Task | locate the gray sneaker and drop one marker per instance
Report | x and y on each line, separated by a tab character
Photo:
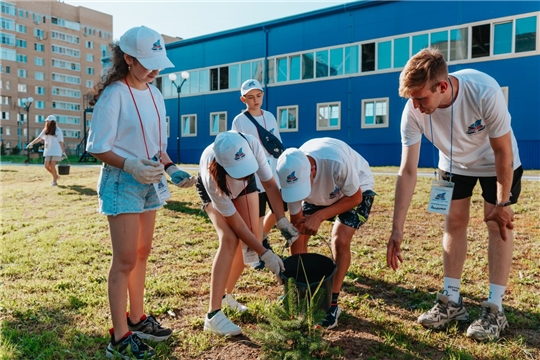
443	312
489	325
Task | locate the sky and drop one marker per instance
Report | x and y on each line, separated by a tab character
189	19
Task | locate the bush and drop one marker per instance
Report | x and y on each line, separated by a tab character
15	150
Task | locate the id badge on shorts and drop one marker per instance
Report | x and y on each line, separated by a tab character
440	196
162	189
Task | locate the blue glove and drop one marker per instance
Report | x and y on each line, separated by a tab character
180	178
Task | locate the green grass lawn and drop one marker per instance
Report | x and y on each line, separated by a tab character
55	254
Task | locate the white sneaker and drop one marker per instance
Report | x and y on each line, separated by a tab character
221	325
232	304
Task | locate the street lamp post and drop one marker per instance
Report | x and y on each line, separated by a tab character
172	77
27	103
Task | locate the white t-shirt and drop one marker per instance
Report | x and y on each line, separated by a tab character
116	126
224	203
341	171
52	142
479	113
242	124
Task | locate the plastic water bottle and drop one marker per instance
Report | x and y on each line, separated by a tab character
250	256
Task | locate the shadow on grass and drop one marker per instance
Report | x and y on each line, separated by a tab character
4	170
522	323
81	190
186	208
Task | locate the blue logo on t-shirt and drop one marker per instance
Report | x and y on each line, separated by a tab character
476	127
334	193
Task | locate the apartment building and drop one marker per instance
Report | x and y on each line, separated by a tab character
50	52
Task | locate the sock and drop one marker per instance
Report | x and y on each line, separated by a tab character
451	287
113	340
334	299
496	293
213	313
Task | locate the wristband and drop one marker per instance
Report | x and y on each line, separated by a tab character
168	165
503	203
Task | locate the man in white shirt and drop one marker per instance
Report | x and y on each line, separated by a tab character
322	180
464	114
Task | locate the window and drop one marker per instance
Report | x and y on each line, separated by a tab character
39	33
419	42
219	78
39	61
4	100
374	113
40	118
401	52
22	73
90	57
336	62
368	57
21	28
294	68
22	88
39	75
39	47
7	39
384	55
480	41
282	69
8	8
90	71
8	131
21	58
89	44
5	115
7	24
20	43
89	83
439	40
218	123
321	64
7	54
40	104
287	118
328	116
459	44
40	90
189	125
502	38
526	34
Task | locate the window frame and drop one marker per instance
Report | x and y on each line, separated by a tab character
278	119
328	128
212	114
385	124
189	117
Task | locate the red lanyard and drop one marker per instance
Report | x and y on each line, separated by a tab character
140	119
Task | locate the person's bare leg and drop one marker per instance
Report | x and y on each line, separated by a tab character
499	251
455	238
341	249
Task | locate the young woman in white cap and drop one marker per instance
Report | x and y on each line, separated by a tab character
229	194
53	138
129	135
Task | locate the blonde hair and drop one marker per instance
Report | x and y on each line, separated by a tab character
426	68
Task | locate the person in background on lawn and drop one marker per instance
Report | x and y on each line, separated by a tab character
252	95
229	195
322	180
129	135
53	138
464	114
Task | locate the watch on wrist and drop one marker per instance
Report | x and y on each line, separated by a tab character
504	203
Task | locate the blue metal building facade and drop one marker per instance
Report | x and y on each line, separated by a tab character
373	36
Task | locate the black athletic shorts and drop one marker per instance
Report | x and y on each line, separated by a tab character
205	198
263	199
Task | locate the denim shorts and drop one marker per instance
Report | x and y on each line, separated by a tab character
355	217
120	193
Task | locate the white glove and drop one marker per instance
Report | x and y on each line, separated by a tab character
143	170
288	231
29	146
64	156
273	263
180	178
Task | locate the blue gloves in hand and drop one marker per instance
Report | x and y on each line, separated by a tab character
180	178
288	231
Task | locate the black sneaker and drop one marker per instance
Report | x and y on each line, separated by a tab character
150	329
330	321
130	347
260	265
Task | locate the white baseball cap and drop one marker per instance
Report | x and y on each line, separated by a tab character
234	154
51	118
249	85
147	46
294	173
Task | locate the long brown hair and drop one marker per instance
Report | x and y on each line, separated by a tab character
118	71
218	175
50	128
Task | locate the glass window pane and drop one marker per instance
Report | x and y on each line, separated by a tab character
257	71
526	34
222	123
419	42
480	41
336	62
351	59
283	119
215	123
401	52
282	69
384	55
502	38
270	66
439	40
204	83
291	118
234	76
459	44
368	57
322	64
307	66
294	67
214	79
334	115
246	72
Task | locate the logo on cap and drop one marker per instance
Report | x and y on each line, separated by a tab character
250	84
157	46
292	178
239	155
